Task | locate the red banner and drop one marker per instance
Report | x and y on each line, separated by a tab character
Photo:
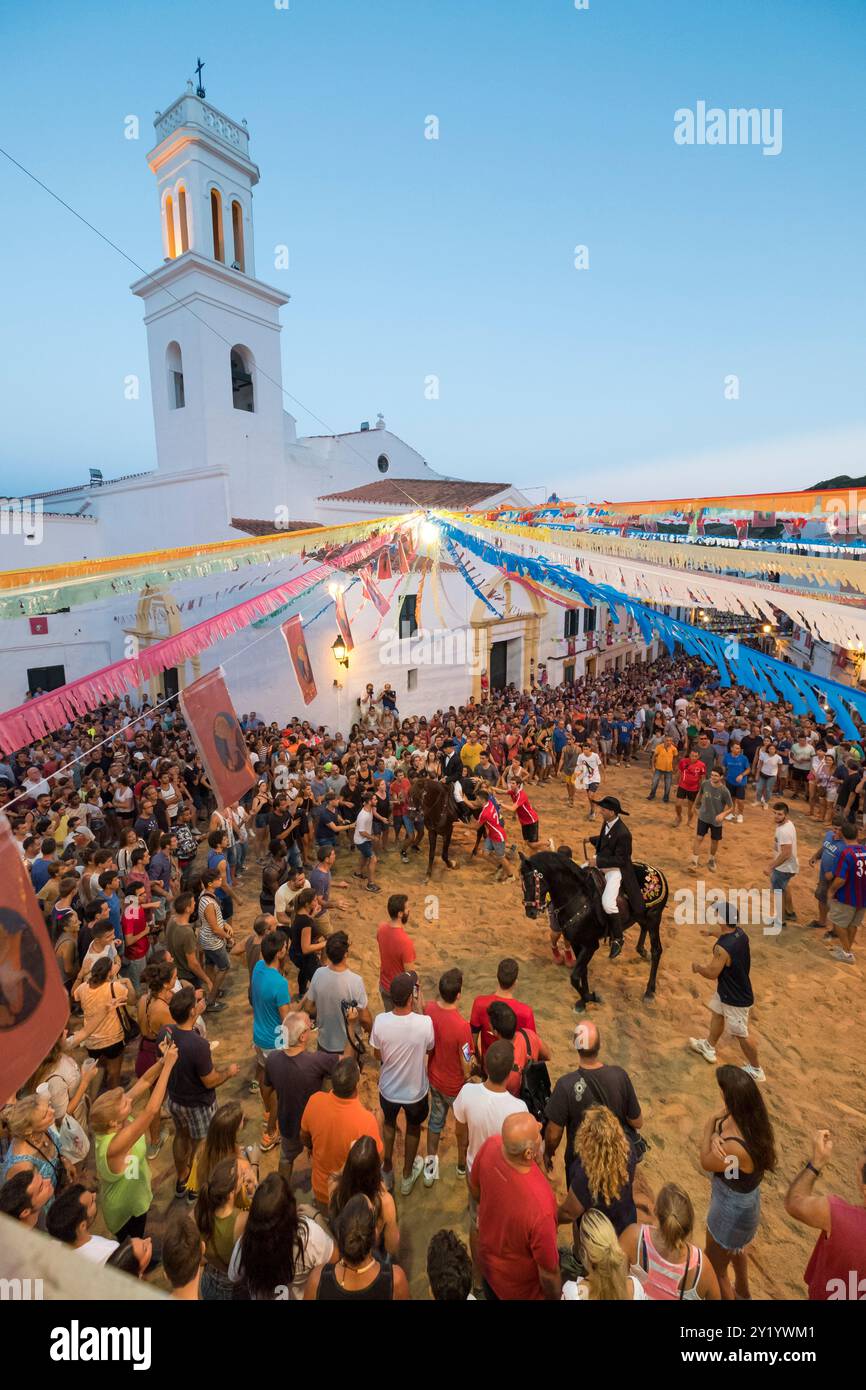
373	592
208	710
34	1005
38	626
384	568
294	635
404	560
343	621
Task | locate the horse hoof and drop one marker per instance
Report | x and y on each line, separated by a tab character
644	955
579	1008
595	998
649	999
450	864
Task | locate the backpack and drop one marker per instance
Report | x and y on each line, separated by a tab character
535	1087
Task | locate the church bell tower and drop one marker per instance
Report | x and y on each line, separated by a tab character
213	329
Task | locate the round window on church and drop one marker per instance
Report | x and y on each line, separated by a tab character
382	463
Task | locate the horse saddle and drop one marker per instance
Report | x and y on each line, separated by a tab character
623	906
649	881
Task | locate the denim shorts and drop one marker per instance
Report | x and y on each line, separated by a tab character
733	1217
365	849
218	959
439	1107
496	847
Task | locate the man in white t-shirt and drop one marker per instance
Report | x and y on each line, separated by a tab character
284	899
785	864
479	1112
363	841
401	1040
69	1220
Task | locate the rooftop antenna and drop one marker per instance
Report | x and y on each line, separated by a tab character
199	91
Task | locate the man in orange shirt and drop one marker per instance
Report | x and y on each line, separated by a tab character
526	1042
396	948
332	1121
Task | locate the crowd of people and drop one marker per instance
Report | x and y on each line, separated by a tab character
140	875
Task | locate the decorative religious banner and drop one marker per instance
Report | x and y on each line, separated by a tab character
373	592
208	710
38	626
34	1005
404	561
343	621
384	568
296	643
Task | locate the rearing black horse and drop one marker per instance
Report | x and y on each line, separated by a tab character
575	896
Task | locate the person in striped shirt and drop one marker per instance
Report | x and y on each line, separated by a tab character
490	821
848	894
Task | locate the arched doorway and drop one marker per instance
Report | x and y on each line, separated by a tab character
507	647
157	616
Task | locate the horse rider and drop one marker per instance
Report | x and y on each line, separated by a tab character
613	857
452	773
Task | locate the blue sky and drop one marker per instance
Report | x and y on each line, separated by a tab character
412	257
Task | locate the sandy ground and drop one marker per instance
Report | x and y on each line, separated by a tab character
807	1009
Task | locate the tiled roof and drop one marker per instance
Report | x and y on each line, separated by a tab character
422	492
253	527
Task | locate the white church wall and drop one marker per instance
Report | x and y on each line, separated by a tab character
159	511
29	537
79	641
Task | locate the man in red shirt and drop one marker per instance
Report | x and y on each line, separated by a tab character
516	1215
490	821
400	791
691	775
447	1064
396	948
136	931
526	814
837	1266
506	978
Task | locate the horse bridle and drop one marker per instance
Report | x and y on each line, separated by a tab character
540	892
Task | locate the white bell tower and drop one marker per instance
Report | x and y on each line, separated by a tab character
213	329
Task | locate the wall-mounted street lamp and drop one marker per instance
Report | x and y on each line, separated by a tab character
341	655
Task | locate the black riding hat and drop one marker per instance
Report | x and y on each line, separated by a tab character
610	803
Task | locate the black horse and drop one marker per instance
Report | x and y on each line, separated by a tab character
575	900
435	800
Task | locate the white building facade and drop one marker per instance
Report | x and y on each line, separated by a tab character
229	461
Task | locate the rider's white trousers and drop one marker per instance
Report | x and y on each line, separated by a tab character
612	881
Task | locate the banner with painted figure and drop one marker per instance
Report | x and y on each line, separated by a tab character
343	625
34	1005
208	710
293	632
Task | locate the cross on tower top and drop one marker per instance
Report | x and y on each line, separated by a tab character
199	91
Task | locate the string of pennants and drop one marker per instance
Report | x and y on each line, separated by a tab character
773	680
